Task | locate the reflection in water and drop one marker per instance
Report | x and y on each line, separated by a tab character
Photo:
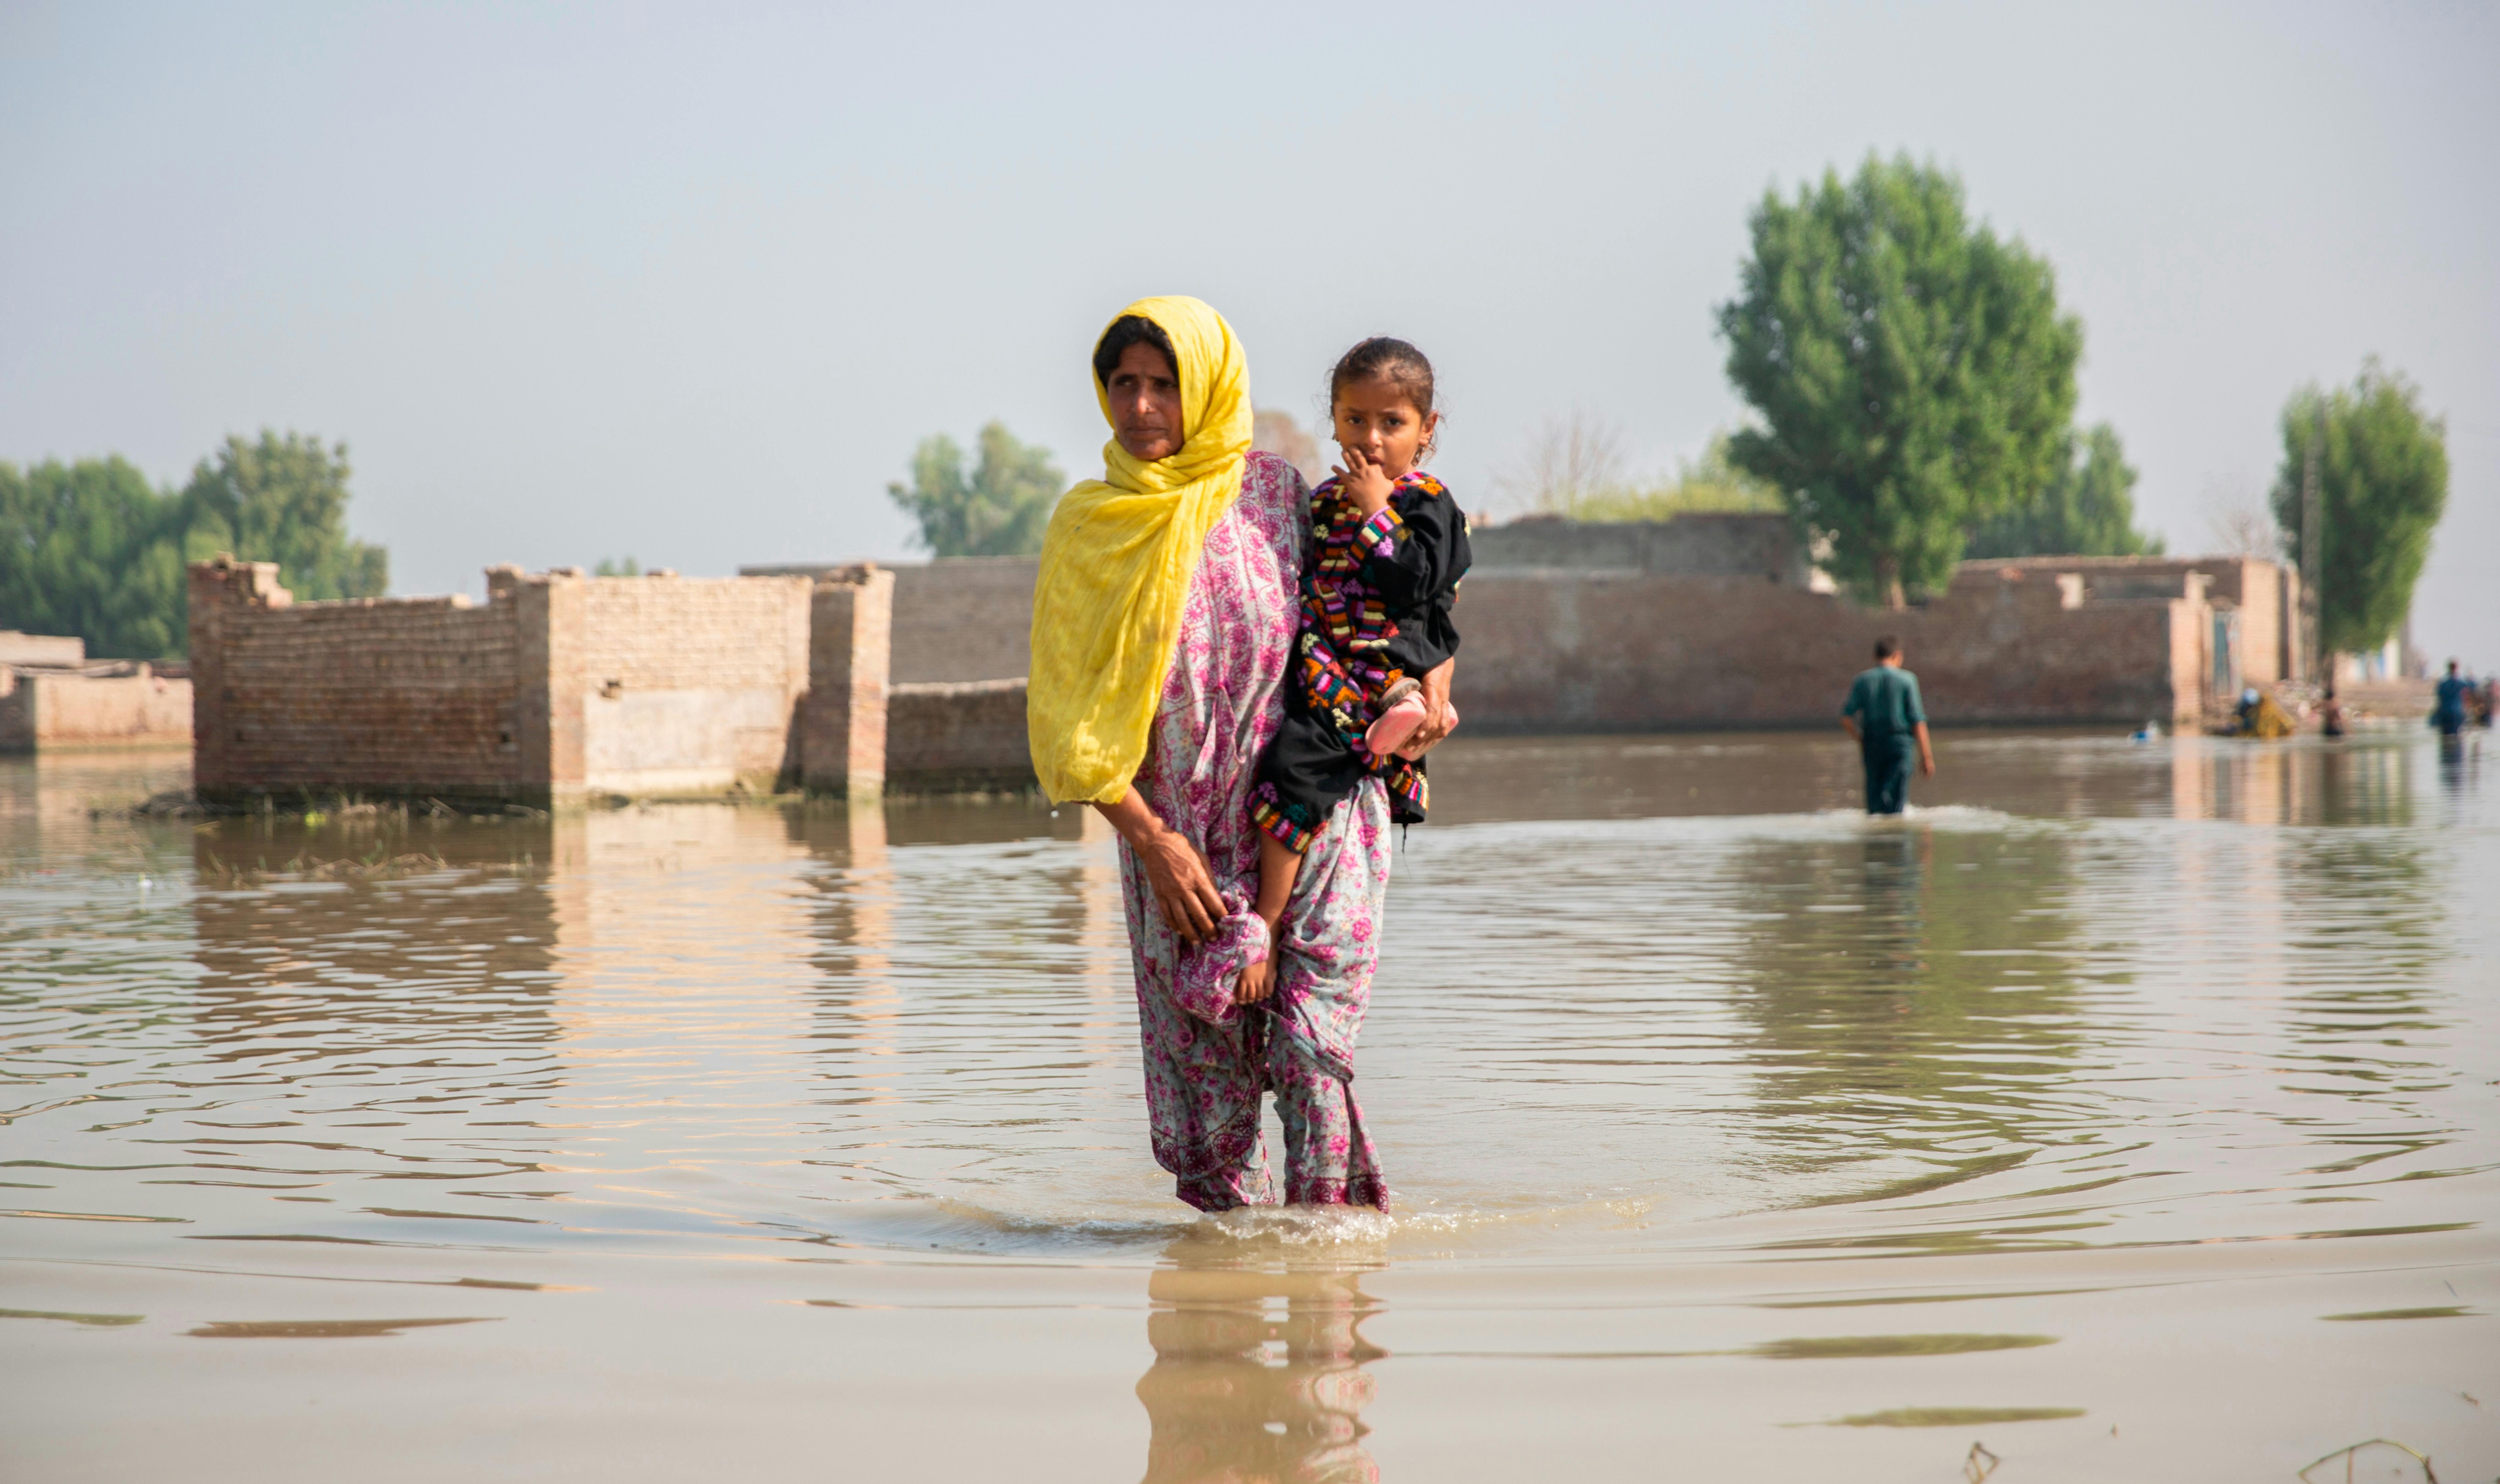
1914	990
1258	1373
1679	1070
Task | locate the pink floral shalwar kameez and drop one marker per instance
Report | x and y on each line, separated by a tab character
1208	1060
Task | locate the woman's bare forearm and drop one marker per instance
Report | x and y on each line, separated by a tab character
1136	821
1183	885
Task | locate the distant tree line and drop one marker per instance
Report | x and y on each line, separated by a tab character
90	549
1914	384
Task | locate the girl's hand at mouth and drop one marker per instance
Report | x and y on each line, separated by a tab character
1364	482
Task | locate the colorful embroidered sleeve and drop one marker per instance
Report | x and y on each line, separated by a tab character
1379	536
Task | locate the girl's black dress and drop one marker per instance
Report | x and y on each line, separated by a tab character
1376	604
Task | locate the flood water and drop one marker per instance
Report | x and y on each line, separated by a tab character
2130	1110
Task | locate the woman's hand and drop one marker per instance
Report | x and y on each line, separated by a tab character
1361	480
1437	703
1184	885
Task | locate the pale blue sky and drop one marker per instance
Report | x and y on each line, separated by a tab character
689	282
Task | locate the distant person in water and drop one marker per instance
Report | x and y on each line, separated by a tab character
1885	718
2330	713
2448	712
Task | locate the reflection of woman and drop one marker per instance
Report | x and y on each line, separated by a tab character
1224	1409
1161	630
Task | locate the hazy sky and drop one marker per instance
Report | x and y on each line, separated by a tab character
689	282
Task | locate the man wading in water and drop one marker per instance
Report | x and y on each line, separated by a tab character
1885	717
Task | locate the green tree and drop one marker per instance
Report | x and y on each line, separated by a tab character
1001	512
2381	484
2086	509
90	549
1912	371
285	500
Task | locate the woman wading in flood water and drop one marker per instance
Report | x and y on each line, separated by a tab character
1162	626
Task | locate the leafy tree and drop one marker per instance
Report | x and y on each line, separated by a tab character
2086	509
1912	371
88	549
2381	484
609	566
284	500
1001	512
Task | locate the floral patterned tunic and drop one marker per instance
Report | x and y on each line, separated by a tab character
1206	1059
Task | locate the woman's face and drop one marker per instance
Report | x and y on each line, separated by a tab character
1144	393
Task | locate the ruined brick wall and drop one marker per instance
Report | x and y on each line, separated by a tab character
41	712
1714	545
954	737
967	618
2264	593
17	648
17	714
843	720
413	696
955	618
686	685
1624	650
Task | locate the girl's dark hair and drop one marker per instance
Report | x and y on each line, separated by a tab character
1395	361
1127	330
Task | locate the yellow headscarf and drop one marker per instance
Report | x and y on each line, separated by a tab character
1116	566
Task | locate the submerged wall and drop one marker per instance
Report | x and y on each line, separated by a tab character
1597	651
560	687
690	686
52	710
854	679
955	618
41	649
419	696
1763	547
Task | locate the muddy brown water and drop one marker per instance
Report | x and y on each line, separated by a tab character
2130	1110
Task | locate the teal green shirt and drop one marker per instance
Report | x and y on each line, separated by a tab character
1886	702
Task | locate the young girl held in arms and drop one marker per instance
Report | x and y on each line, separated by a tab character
1389	548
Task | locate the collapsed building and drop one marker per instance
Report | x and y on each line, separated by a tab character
853	678
52	698
559	687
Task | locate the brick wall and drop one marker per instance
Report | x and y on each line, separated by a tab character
17	648
373	696
1623	650
690	686
2266	595
42	711
948	738
561	685
1714	545
843	716
955	618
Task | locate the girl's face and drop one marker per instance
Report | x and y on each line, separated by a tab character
1376	416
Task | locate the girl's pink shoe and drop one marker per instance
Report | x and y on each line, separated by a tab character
1411	753
1399	720
1396	724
